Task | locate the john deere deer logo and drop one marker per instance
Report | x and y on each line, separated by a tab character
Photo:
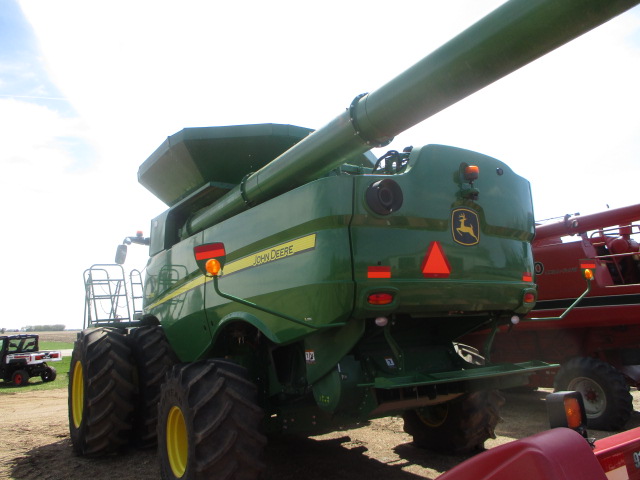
465	226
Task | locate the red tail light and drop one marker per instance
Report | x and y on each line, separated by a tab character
380	298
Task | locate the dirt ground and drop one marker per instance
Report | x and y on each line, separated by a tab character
36	445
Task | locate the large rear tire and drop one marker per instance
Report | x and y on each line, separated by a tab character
101	392
208	423
604	390
458	426
153	358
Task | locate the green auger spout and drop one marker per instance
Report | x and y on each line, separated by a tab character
510	37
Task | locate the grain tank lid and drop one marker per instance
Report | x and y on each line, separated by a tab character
194	157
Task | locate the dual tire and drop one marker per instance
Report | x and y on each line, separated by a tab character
153	358
114	388
209	423
205	413
101	392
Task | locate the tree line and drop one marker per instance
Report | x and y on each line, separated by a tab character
44	328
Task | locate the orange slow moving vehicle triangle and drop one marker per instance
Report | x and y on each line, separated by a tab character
435	263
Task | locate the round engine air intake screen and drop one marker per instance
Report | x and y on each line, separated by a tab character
384	196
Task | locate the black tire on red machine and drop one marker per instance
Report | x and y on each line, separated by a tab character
607	400
101	392
20	378
153	358
458	426
208	423
49	374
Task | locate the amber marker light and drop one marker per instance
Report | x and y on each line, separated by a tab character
213	267
471	173
588	274
573	412
566	409
380	299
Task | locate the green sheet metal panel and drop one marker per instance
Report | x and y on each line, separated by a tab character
486	275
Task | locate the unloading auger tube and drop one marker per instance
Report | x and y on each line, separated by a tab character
510	37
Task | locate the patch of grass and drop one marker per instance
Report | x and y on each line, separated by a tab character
55	345
36	383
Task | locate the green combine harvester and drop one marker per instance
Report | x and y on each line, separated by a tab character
298	285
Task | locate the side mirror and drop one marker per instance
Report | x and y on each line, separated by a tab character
121	254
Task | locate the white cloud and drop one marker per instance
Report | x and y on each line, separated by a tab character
32	137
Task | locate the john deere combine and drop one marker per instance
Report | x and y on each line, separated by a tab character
296	284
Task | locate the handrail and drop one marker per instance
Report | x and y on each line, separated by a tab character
269	311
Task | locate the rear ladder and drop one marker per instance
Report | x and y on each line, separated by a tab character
107	299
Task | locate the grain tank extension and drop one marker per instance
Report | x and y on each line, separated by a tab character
296	284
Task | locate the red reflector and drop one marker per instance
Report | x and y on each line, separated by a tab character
210	250
527	277
612	462
588	265
379	272
435	263
380	298
529	298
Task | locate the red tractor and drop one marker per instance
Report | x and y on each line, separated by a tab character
598	342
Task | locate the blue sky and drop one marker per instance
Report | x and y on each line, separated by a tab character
89	89
23	74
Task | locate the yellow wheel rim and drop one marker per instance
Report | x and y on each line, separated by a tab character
177	442
434	416
77	395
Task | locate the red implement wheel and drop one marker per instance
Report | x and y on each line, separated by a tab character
604	389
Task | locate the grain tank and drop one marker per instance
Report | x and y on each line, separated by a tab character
296	285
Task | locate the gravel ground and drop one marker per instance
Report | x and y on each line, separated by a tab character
36	445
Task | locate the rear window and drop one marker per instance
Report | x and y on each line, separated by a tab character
17	345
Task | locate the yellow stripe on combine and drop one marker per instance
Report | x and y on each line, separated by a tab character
269	255
195	283
272	254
